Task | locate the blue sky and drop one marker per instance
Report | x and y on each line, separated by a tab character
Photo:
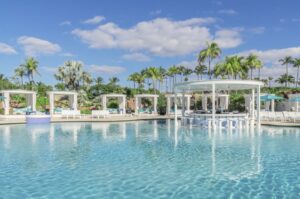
116	38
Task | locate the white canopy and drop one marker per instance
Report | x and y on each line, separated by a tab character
72	98
121	99
140	96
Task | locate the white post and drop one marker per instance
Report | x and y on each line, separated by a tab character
104	105
124	104
75	102
252	105
155	104
136	105
182	104
51	103
213	105
188	104
226	102
6	103
204	102
33	102
168	105
258	106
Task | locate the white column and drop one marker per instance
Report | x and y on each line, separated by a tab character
252	104
51	103
74	102
182	104
226	102
273	106
168	105
104	106
155	104
33	102
188	104
258	106
124	104
6	103
204	102
213	105
136	105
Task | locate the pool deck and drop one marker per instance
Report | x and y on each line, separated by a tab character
283	124
89	119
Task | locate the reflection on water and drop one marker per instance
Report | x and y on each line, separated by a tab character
156	151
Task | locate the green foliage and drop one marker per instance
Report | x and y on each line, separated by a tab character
237	102
113	104
161	104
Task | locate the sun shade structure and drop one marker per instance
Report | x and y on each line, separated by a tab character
121	101
138	99
171	101
29	95
72	99
270	97
219	86
222	101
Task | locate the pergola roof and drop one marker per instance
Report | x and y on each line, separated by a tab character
146	95
62	92
178	95
113	95
17	91
206	85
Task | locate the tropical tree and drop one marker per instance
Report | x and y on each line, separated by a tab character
31	68
286	61
20	73
133	78
252	62
186	73
71	74
200	70
155	75
232	67
285	79
296	64
172	72
269	81
211	52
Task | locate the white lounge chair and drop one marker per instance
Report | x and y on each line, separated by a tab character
70	113
100	114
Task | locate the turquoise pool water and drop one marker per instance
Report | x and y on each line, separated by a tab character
149	159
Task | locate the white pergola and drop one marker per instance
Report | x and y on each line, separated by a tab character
121	100
72	99
29	95
218	86
141	96
171	98
221	102
269	105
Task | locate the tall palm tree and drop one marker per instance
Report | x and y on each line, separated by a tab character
20	72
133	78
296	64
186	73
200	70
285	79
286	61
253	62
173	71
155	75
269	81
211	52
180	71
233	66
31	67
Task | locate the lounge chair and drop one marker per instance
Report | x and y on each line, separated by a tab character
71	113
100	113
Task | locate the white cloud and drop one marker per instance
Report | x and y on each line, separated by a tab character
273	55
161	36
136	57
111	70
228	38
228	12
65	23
7	49
94	20
34	46
67	55
257	30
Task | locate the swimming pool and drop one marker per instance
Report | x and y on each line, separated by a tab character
147	159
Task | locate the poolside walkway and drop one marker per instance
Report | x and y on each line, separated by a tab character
89	119
283	124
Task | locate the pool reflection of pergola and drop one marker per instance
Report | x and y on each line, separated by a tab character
29	95
219	86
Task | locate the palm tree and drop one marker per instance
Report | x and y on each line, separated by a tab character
172	72
186	73
20	72
253	62
211	52
286	61
269	81
180	71
133	78
285	79
233	66
200	70
296	64
155	75
31	67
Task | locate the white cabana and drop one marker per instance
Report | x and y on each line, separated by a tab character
29	95
138	99
269	105
219	86
171	100
121	100
72	99
222	101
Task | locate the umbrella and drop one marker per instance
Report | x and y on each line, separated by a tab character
270	97
2	98
295	99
